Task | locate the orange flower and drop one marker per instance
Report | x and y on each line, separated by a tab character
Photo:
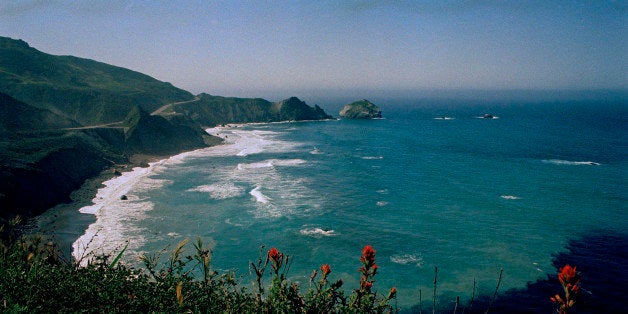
325	269
568	274
276	257
368	255
274	254
392	293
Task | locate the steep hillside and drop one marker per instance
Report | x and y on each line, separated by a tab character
148	134
84	90
18	117
213	110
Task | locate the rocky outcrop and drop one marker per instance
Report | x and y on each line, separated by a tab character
362	109
212	110
295	109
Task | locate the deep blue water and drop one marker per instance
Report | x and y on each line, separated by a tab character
468	195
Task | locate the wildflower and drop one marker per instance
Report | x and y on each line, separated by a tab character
276	257
325	269
274	254
368	255
392	293
567	274
569	279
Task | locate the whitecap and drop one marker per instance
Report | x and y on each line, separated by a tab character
382	203
259	197
318	232
315	151
372	157
408	259
510	197
270	163
570	163
220	190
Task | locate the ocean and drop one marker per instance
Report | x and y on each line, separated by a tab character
432	184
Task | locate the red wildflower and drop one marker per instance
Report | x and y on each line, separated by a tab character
277	259
368	255
325	269
274	254
392	293
568	274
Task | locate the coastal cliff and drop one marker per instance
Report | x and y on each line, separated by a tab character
212	110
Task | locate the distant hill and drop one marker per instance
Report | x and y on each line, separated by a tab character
83	90
214	110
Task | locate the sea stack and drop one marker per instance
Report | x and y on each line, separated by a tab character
362	109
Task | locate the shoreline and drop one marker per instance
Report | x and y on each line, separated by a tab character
65	223
68	223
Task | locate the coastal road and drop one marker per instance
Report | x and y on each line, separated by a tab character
165	107
118	125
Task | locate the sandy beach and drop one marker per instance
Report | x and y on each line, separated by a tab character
65	223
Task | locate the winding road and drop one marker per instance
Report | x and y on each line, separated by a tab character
161	109
118	125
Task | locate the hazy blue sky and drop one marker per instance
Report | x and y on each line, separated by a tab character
261	48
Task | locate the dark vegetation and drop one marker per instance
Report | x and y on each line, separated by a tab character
212	110
65	119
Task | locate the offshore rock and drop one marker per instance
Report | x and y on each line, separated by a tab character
362	109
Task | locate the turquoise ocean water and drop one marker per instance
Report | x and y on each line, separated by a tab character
430	185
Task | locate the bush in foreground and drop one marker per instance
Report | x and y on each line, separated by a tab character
34	277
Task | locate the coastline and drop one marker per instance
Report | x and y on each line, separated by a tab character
65	223
68	224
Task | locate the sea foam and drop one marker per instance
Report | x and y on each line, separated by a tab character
570	163
408	259
259	197
220	190
317	232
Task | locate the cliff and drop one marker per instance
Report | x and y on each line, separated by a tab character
214	110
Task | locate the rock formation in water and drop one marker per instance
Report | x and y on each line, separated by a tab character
362	109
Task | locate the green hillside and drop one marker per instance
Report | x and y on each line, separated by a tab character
213	110
84	90
18	117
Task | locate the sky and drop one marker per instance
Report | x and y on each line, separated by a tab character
272	48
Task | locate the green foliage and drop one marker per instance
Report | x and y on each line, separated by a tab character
34	278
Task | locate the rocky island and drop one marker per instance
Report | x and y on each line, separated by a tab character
362	109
